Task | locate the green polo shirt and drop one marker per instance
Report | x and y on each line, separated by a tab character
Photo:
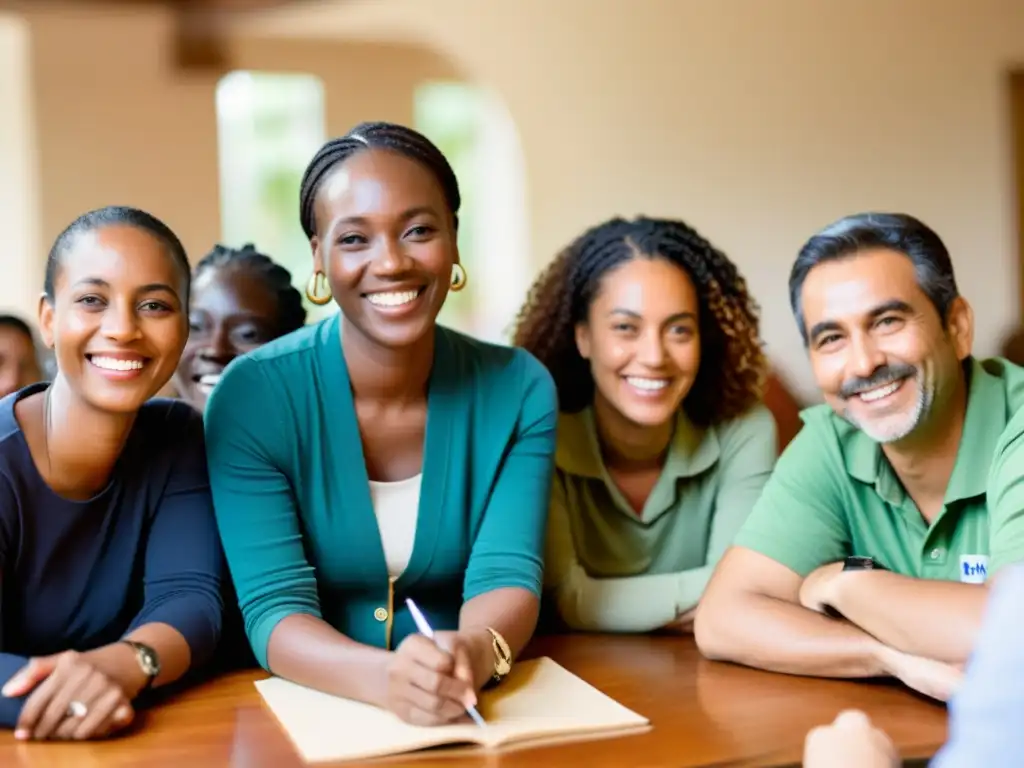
608	568
834	494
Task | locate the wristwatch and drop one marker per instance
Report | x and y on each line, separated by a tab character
502	657
149	661
857	563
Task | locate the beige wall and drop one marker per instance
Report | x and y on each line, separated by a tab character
115	121
757	121
19	206
116	125
362	81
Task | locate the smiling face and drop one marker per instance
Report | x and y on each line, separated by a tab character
881	354
386	241
117	319
642	339
232	312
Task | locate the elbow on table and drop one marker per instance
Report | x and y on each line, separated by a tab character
571	617
574	611
711	631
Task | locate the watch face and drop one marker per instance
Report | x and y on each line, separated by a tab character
147	659
151	667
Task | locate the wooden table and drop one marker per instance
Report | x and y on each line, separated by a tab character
703	714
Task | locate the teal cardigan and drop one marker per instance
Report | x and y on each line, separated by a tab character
292	497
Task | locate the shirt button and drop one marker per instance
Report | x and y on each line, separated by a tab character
936	554
381	614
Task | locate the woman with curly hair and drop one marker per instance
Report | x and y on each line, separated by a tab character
663	444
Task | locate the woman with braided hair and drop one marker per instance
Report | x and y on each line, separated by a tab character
377	457
663	445
241	299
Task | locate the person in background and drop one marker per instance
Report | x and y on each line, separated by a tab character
241	299
377	456
871	548
19	359
663	445
109	555
984	715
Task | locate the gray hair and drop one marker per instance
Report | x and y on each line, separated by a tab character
895	231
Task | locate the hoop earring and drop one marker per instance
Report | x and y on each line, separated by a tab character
458	277
317	283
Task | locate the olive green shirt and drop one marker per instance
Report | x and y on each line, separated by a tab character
608	568
834	494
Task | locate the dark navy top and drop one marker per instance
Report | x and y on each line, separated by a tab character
77	575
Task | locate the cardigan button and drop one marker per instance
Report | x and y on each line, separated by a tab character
381	614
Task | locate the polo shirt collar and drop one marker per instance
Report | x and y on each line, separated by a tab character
983	424
692	449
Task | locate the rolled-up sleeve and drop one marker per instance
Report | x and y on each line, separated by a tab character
1005	498
799	520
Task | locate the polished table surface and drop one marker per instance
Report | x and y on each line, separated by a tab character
703	714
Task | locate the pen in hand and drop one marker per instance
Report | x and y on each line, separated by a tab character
424	629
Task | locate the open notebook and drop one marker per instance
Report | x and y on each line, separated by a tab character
540	701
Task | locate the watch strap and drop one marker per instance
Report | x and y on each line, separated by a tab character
858	563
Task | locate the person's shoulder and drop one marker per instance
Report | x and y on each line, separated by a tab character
282	356
821	423
14	454
1010	378
9	427
754	422
823	441
510	371
291	345
576	452
168	422
283	362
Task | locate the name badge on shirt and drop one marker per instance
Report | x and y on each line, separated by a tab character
973	569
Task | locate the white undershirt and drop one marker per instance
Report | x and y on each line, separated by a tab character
396	506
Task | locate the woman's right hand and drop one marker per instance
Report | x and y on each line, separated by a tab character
68	698
423	688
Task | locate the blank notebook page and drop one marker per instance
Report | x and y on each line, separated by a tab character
539	700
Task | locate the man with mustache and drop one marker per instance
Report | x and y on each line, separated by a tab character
873	545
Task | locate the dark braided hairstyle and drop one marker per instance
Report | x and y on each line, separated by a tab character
386	136
113	216
291	314
733	366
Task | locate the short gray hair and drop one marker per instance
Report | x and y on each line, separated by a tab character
862	231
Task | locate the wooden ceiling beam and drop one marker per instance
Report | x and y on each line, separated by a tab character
199	40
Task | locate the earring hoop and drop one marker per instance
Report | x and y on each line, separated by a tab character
458	277
318	290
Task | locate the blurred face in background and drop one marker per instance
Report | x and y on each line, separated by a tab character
232	312
19	364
